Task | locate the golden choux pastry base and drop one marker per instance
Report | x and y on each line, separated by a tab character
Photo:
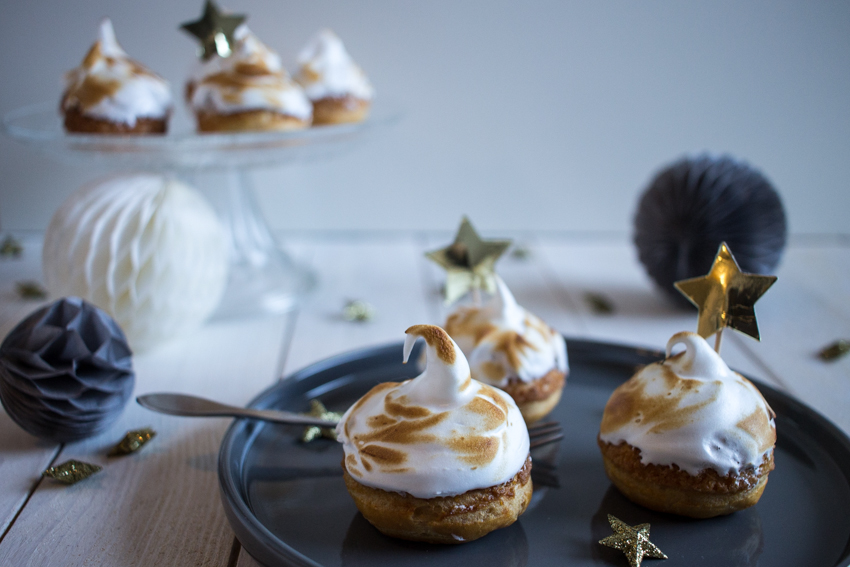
665	489
450	519
537	398
77	122
340	110
249	121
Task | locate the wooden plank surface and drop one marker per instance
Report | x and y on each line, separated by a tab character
22	456
161	506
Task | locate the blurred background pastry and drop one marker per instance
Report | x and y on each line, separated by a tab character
336	85
441	458
109	93
249	90
512	349
687	435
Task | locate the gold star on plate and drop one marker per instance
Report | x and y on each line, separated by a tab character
311	432
726	296
632	541
214	30
469	262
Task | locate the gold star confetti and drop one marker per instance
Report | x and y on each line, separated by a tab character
30	290
835	351
520	252
11	248
311	432
469	262
599	303
72	471
632	541
358	310
132	441
214	30
726	296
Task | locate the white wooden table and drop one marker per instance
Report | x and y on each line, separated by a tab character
161	505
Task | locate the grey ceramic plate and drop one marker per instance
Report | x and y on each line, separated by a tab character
288	506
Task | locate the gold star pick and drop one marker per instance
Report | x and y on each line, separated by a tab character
311	432
632	541
469	262
214	30
72	471
132	441
726	296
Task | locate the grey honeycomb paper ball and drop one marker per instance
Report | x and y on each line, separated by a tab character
693	205
66	371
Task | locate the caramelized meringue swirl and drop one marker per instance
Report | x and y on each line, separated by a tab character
328	71
439	434
108	85
504	341
692	411
251	78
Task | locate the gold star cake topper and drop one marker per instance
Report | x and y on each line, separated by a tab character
726	297
469	262
214	30
632	541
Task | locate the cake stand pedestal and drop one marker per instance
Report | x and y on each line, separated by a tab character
263	278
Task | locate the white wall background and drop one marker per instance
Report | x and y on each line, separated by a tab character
545	115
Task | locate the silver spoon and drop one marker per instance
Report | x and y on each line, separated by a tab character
193	406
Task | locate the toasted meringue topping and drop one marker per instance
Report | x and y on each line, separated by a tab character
692	411
328	71
251	78
439	434
503	340
108	85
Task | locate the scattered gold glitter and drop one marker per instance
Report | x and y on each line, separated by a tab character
311	432
30	290
599	303
358	310
72	471
469	262
11	247
132	441
632	541
520	252
835	351
726	296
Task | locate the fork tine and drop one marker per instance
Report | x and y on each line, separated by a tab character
538	430
544	424
540	441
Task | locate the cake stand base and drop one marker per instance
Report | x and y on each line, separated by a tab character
263	279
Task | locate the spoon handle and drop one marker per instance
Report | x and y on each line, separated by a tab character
193	406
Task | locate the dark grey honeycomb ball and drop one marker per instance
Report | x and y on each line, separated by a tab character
66	371
693	205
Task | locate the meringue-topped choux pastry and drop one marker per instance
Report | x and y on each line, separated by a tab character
440	458
336	85
109	93
512	349
687	435
247	91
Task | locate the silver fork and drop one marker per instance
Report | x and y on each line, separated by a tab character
193	406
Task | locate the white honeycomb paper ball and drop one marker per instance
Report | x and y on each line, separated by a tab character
147	249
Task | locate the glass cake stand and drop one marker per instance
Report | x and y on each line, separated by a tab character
263	277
